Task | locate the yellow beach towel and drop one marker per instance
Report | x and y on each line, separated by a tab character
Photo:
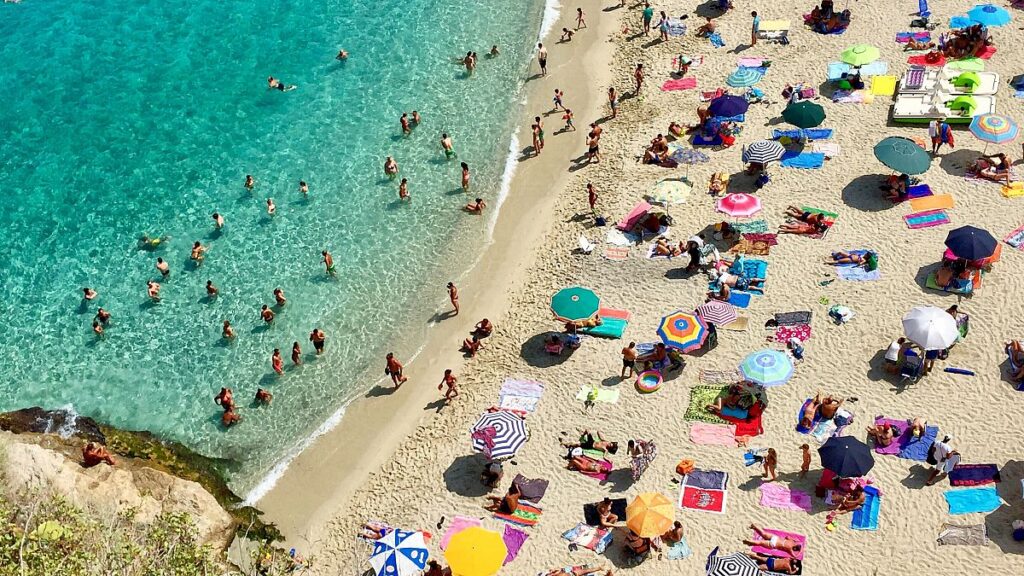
936	202
1014	190
883	85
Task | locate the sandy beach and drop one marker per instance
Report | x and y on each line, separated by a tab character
404	459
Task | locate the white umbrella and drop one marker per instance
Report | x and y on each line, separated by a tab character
930	328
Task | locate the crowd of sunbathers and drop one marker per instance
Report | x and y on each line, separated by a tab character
825	20
995	167
965	42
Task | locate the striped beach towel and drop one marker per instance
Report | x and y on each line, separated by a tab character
1016	238
926	219
525	515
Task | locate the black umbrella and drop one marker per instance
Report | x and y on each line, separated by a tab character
846	456
971	243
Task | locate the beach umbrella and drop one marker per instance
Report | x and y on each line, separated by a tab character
763	152
499	434
902	155
683	155
717	312
735	564
930	328
860	54
399	553
989	15
971	243
743	77
728	105
682	331
575	304
993	128
767	368
650	514
804	114
668	192
846	456
476	551
739	204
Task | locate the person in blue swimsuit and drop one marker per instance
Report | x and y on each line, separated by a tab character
778	565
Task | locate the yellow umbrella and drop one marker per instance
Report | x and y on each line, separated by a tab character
476	552
650	515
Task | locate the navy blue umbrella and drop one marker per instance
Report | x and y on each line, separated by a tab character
846	456
728	106
971	243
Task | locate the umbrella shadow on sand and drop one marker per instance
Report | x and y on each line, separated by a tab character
921	278
998	523
863	193
955	163
463	476
533	351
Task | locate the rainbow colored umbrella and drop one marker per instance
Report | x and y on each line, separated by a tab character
767	368
682	331
739	204
993	128
575	304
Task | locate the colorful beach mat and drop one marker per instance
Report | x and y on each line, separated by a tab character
700	397
589	537
802	160
779	497
883	85
1016	238
712	434
520	395
679	84
970	500
525	515
933	202
704	490
906	37
751	227
739	299
926	219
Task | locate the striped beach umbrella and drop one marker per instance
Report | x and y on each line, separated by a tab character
743	77
682	331
767	368
993	128
476	551
575	304
763	152
499	434
735	564
739	204
650	514
903	155
989	15
860	54
399	553
717	312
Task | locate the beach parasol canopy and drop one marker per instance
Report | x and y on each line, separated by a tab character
575	304
903	155
739	204
399	553
717	312
476	552
728	105
683	155
682	331
930	328
743	77
735	564
667	192
989	15
846	456
860	54
767	368
650	514
763	152
971	243
804	114
993	128
499	434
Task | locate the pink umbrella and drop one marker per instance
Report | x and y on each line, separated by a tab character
739	204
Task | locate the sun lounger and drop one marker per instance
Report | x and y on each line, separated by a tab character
613	323
774	31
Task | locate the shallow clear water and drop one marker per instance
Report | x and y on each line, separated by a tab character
122	118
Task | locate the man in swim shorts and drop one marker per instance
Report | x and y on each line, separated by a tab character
317	337
780	565
446	145
394	369
328	262
542	59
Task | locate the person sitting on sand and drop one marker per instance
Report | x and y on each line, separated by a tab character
491	474
483	328
675	129
777	565
638	545
721	292
883	434
475	207
827	406
553	345
507	504
895	187
854	500
662	247
706	29
868	260
774	542
592	441
731	399
1016	353
93	454
472	345
605	517
674	534
995	167
656	357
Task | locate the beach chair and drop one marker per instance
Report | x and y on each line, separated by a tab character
911	368
774	31
586	246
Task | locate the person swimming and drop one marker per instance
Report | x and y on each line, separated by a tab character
227	332
218	221
328	262
198	253
342	55
271	207
275	84
279	297
303	188
250	182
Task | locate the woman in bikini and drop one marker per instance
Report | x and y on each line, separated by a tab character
883	434
774	542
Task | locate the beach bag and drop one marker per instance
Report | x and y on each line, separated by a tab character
684	467
931	455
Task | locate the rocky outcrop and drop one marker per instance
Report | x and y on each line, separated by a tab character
111	489
64	423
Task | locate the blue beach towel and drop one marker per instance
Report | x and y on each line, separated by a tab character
737	118
866	518
698	141
855	272
808	134
800	416
876	68
739	299
716	40
802	160
918	449
919	191
970	500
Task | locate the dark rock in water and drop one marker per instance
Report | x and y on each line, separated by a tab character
65	423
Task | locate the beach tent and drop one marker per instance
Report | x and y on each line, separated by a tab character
682	331
399	553
575	304
930	328
476	551
499	434
767	368
651	514
971	243
634	216
847	456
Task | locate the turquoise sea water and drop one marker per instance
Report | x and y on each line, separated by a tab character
122	118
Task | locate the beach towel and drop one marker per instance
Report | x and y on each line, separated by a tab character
934	202
801	332
709	96
800	416
829	149
856	272
824	430
593	518
532	489
750	425
525	515
825	213
852	97
520	395
799	538
1016	238
967	64
926	219
679	551
866	517
612	326
933	283
802	160
970	500
514	539
616	253
713	434
704	490
923	60
906	37
736	118
986	52
679	84
803	134
751	62
958	535
779	497
919	191
883	85
594	394
917	448
1014	190
739	299
751	227
900	427
458	524
699	141
793	318
700	397
770	239
974	475
589	537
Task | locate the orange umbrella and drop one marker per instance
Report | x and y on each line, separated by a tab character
650	515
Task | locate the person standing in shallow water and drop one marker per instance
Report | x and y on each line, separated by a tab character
394	369
328	262
317	337
453	295
465	177
542	59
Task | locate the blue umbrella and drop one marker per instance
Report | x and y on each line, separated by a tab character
728	106
971	243
743	77
399	553
989	15
960	21
767	368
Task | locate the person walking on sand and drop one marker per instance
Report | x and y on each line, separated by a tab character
663	26
647	15
629	355
593	148
566	35
449	380
755	26
638	78
581	19
465	177
592	197
771	460
277	362
394	369
453	295
446	145
542	58
568	121
540	131
613	101
328	262
559	95
296	354
317	337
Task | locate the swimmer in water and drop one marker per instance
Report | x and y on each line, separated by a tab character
198	253
227	331
230	418
162	266
446	145
275	84
279	297
89	293
296	354
303	188
465	177
276	362
416	118
250	182
103	316
403	190
218	221
328	262
390	167
342	55
211	290
404	120
317	337
263	397
97	329
494	51
271	207
267	314
475	207
153	290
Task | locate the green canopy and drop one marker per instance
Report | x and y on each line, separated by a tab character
903	155
575	304
860	54
967	80
804	114
963	103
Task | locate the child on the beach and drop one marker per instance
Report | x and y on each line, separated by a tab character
805	466
568	121
771	460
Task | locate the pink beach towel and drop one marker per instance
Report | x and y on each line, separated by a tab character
679	84
606	468
712	434
799	555
899	427
458	524
750	62
514	539
777	496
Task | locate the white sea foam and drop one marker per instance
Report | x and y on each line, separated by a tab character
511	161
552	9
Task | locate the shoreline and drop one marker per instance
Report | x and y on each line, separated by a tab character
310	490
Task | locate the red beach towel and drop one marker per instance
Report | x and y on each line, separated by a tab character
927	60
679	84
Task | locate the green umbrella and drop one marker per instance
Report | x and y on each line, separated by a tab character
903	155
804	114
575	304
860	54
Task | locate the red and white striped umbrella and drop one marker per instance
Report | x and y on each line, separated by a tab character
739	204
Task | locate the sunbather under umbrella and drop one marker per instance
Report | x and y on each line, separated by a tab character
971	243
903	155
